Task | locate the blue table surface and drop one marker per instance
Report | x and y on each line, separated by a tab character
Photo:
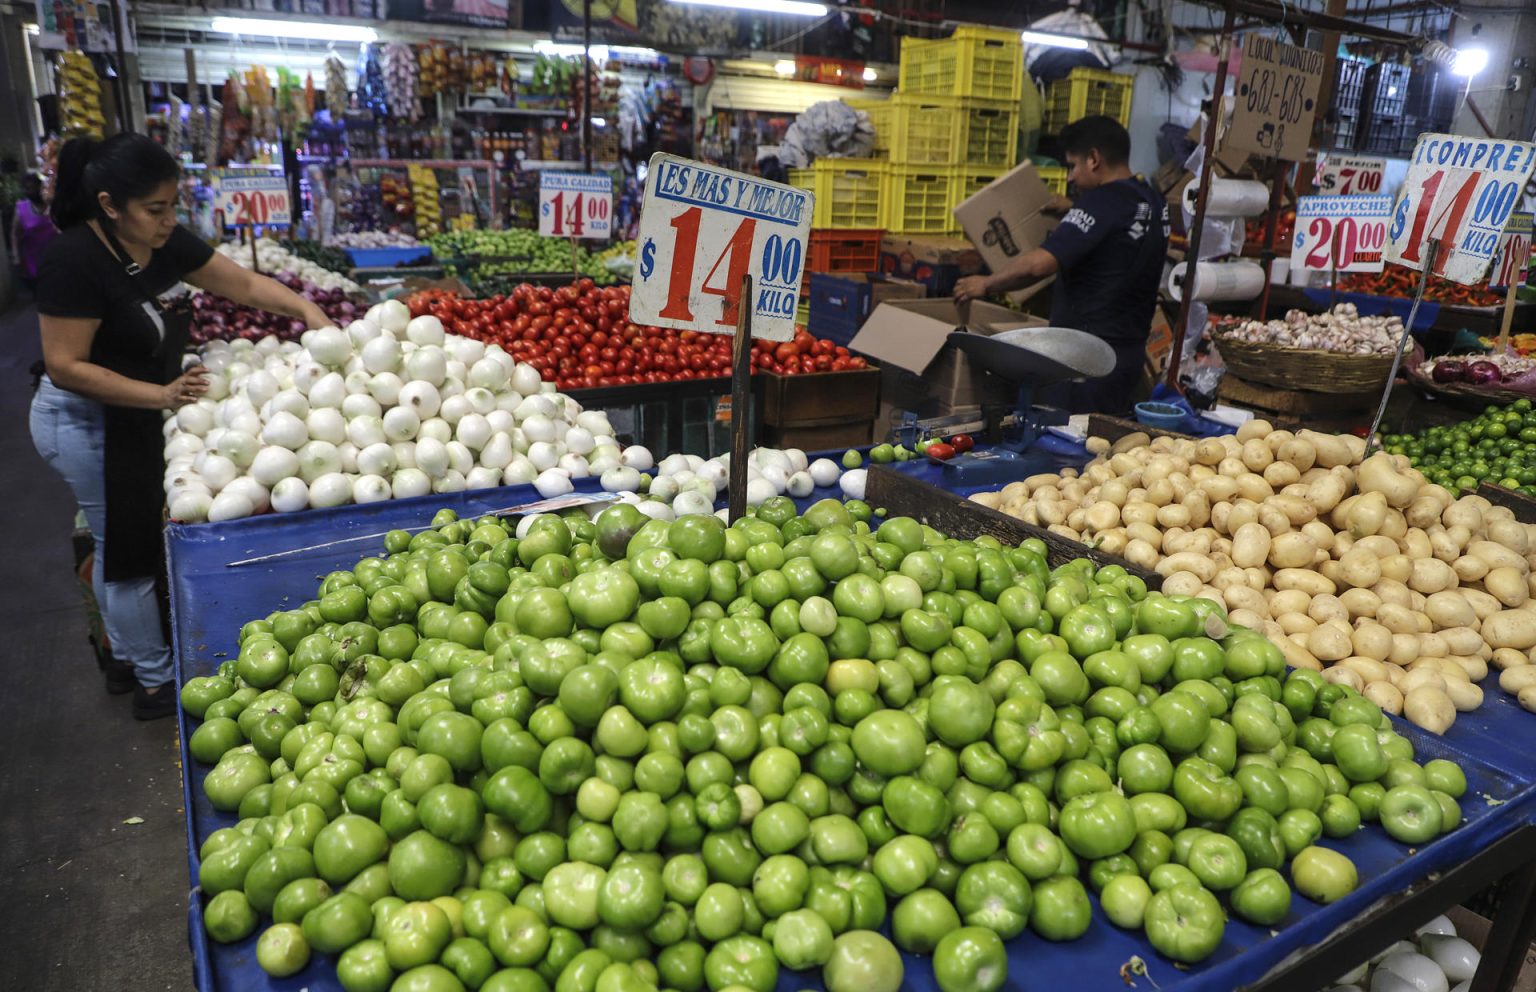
210	600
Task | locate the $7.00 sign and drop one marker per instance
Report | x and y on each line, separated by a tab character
575	205
1346	175
250	198
702	229
1460	191
1346	233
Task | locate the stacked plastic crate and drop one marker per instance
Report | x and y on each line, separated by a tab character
1381	108
1347	88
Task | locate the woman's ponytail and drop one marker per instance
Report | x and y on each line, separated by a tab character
72	202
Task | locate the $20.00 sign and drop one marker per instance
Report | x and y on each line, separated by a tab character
259	198
1460	191
1346	233
702	229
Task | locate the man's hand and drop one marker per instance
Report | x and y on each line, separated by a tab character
971	288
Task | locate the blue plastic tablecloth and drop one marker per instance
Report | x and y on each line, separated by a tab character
210	600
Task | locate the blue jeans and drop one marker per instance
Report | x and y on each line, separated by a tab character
69	432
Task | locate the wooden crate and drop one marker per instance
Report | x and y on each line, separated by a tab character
821	399
1524	506
1318	411
900	494
1113	429
828	437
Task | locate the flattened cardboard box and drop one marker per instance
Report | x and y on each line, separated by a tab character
1007	218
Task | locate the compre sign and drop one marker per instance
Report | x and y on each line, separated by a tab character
1459	191
702	229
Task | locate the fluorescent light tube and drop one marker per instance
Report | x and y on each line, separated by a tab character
1055	40
797	8
306	30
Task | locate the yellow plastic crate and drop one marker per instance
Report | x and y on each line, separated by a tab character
947	130
965	182
980	63
1086	93
1055	177
882	116
917	200
850	192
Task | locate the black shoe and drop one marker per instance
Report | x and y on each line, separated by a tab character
154	704
119	676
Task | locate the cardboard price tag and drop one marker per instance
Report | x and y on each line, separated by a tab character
1276	99
1512	263
1343	233
576	205
702	229
250	198
1460	191
1349	175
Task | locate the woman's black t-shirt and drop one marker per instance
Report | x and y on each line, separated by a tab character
80	278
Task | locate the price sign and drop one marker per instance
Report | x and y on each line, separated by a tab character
250	197
702	229
1276	98
1347	233
576	205
1514	257
1347	175
1461	192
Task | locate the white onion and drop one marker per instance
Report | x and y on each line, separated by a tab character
347	452
427	365
318	458
246	422
797	460
422	397
601	462
251	490
385	387
217	471
526	378
534	406
292	401
553	482
452	386
306	375
466	350
655	510
538	428
1417	970
290	495
454	408
544	455
405	453
330	489
800	485
673	464
230	506
473	431
501	421
194	418
852	483
460	458
363	431
182	444
409	482
480	400
574	465
370	489
260	386
191	506
451	482
825	471
357	385
435	428
394	316
425	330
620	479
509	400
285	430
1455	956
759	490
497	452
432	457
488	373
360	332
329	346
1439	925
382	354
401	423
326	424
715	472
218	387
328	391
664	488
273	464
580	440
481	477
376	459
519	472
360	405
776	475
693	503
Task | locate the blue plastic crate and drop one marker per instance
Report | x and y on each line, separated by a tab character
387	258
841	302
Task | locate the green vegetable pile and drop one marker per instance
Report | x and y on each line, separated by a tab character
1499	445
513	254
624	753
327	258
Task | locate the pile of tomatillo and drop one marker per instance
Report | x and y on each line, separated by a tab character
621	753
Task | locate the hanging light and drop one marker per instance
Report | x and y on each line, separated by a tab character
870	75
306	30
1470	61
784	67
796	8
1055	40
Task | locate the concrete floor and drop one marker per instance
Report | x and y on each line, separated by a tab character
90	902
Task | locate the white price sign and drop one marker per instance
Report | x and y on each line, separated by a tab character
1346	233
702	229
250	198
1348	175
576	205
1514	257
1461	192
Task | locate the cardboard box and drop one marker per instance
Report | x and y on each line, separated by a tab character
921	371
1474	928
935	261
1007	218
841	302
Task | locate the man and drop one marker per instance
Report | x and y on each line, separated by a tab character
1107	254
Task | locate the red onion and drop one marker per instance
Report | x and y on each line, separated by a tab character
1483	374
1449	371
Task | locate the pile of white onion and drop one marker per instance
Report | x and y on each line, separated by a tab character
274	259
1436	960
689	484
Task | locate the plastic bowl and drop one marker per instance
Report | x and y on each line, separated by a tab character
1164	416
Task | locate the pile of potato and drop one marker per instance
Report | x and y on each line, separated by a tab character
1359	569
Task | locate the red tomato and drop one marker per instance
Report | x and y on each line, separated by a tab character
962	442
941	452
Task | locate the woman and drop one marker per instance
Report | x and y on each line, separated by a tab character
31	230
113	338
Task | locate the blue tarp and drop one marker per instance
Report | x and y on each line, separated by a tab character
210	600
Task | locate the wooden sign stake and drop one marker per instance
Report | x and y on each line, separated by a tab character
1509	314
1413	312
741	400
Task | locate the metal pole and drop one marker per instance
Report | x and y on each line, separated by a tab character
125	103
1397	359
1218	102
586	85
741	400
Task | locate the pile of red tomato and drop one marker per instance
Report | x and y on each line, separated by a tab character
580	337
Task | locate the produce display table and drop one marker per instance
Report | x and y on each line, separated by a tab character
1436	317
1399	889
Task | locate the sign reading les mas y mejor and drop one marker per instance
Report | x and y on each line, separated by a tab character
702	229
1460	191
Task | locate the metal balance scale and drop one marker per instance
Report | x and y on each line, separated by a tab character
1027	358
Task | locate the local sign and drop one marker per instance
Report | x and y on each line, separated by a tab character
1276	99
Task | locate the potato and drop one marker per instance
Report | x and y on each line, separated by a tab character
1257	455
1378	545
1511	535
1433	644
1210	451
1424	512
1372	640
1369	669
1361	568
1498	556
1327	643
1518	679
1398	567
1507	585
1363	515
1280	474
1326	493
1360	602
1465	512
1078	520
1527	698
1429	675
1378	474
1394	525
1430	575
1253	487
1292	550
1183	584
1244	511
1296	623
1142	531
1429	708
1274	519
1305	580
1465	696
1173	515
1475	667
1343	676
1397	619
1240	597
1187	561
1331	449
1232	467
1392	591
1386	695
1298	453
1253	430
1507	658
1219	488
1405	649
1251	545
1139	552
1297	656
1113	542
1483	605
1327	607
1321	534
